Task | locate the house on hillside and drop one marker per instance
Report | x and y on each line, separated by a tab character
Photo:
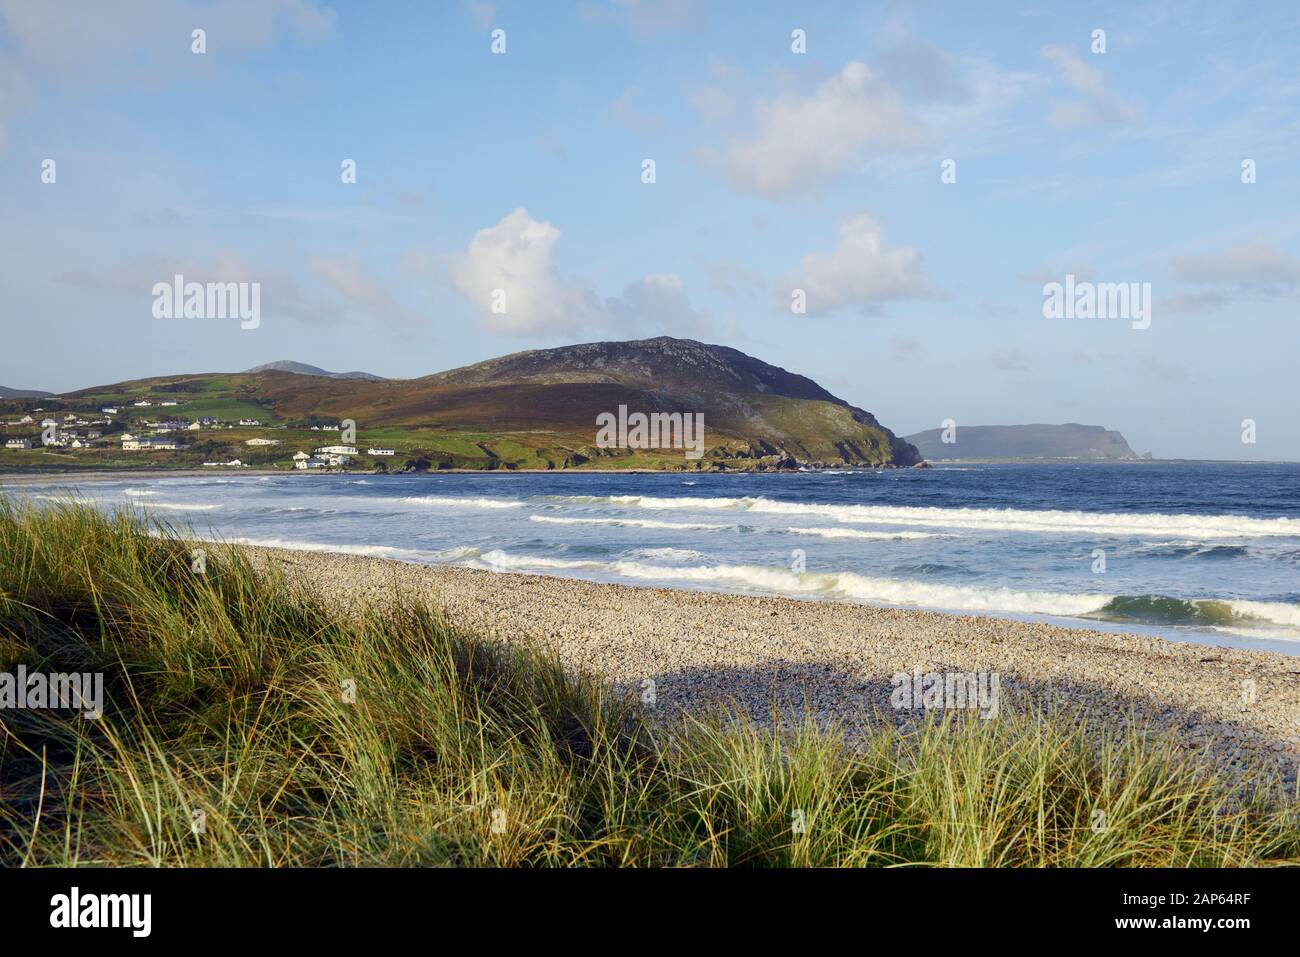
381	451
149	444
18	444
262	442
336	450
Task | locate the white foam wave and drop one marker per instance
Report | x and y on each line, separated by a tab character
453	502
837	532
375	551
1047	521
631	522
826	585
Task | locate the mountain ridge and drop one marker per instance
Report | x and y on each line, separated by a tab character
302	368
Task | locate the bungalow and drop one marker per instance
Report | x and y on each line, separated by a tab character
172	425
46	423
168	402
18	444
262	442
251	422
109	410
26	420
143	403
336	450
381	451
310	462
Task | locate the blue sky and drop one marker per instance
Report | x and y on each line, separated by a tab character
774	171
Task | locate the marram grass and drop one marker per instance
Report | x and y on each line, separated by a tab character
246	726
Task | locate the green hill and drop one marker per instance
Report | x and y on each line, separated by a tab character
529	410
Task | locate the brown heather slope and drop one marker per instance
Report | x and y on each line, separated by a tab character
539	408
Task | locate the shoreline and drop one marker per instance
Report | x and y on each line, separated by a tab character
781	656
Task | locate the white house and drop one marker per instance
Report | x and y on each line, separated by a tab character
168	402
46	423
18	444
143	403
262	442
310	462
109	410
300	456
249	422
149	445
381	451
336	450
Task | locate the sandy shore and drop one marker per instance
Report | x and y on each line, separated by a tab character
778	655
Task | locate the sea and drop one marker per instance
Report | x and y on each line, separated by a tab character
1202	552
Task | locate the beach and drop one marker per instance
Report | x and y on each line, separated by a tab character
774	658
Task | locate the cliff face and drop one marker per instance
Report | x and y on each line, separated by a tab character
1068	441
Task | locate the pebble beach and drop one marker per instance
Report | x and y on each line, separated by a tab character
776	659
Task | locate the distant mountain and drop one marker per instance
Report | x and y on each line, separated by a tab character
540	410
301	368
1068	441
7	393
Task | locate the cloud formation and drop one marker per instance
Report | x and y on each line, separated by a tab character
508	274
860	272
801	142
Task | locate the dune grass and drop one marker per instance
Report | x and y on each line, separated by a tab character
245	725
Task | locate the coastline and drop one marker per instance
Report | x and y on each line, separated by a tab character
777	658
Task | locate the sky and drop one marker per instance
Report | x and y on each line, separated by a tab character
915	174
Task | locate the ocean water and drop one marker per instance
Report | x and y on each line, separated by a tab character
1199	552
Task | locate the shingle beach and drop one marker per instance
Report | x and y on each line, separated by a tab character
771	656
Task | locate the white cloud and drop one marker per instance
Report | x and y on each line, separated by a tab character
1098	106
516	256
860	272
803	141
511	264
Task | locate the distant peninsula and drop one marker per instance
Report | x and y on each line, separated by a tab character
1024	443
